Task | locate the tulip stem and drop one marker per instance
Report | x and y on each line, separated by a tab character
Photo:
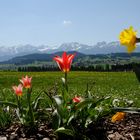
19	105
66	82
30	107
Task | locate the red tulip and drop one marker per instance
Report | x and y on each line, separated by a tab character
77	99
26	81
18	89
65	61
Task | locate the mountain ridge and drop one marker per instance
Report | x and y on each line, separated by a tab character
103	47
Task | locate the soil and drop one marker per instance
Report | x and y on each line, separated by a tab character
127	129
104	129
19	132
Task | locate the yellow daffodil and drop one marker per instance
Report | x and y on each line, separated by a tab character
128	38
118	116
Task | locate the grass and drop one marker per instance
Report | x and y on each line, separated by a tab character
115	84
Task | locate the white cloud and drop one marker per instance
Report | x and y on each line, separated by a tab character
67	22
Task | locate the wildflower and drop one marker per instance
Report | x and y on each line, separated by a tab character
64	62
18	89
128	38
118	116
26	81
116	102
77	99
99	108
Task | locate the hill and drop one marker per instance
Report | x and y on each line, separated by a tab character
80	58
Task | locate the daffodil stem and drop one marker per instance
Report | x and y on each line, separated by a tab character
66	82
30	107
137	40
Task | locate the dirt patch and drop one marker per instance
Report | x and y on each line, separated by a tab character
127	129
104	129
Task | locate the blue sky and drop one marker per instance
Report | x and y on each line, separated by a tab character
52	22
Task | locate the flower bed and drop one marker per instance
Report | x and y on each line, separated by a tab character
82	117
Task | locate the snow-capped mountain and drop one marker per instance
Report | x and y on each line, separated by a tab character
99	48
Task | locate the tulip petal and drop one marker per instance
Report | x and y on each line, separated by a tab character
64	58
70	59
59	62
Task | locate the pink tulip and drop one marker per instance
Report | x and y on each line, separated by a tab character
18	89
26	81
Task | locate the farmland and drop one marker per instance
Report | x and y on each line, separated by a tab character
115	84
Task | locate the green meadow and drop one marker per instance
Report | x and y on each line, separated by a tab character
115	84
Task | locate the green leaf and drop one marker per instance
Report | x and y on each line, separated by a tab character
19	116
88	101
84	103
70	119
59	105
8	104
58	100
36	99
36	103
64	131
127	110
63	80
56	119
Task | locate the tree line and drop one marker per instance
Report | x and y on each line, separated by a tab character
100	68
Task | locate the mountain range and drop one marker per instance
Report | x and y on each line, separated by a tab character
7	53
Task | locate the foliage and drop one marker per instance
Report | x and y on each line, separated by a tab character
57	107
26	109
73	118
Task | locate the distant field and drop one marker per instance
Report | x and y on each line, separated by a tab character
116	84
